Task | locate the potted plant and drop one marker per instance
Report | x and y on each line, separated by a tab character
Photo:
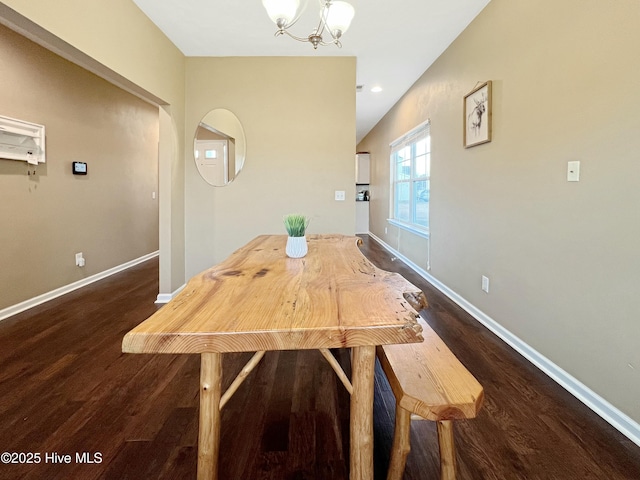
296	226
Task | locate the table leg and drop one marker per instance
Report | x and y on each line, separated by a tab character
361	427
209	433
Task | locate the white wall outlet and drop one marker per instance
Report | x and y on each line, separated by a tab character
340	195
573	171
485	284
153	195
79	260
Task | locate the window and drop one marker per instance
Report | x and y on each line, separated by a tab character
410	175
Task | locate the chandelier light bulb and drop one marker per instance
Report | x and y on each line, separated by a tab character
281	12
337	16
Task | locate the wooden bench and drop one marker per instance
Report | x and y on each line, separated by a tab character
429	381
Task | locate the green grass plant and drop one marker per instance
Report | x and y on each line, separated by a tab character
296	225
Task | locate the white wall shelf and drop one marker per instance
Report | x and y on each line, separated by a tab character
20	140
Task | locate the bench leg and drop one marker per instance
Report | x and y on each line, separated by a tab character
401	444
447	450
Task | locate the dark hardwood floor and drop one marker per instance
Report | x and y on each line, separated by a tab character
66	389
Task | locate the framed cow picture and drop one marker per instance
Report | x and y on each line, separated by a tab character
477	115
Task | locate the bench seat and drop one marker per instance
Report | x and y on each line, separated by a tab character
428	381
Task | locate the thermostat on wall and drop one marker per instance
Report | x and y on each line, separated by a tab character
79	168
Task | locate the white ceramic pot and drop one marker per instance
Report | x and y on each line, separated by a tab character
296	247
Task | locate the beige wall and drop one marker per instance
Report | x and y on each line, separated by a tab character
108	215
116	34
298	115
562	257
116	40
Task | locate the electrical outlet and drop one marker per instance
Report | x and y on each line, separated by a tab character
485	284
573	171
79	260
340	195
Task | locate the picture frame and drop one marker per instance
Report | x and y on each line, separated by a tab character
477	116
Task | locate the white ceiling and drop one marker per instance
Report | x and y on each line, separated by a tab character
394	41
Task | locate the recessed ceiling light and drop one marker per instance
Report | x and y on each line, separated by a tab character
376	89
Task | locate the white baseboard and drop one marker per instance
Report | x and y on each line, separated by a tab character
164	298
45	297
618	419
167	297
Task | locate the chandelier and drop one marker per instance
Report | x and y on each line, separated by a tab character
335	18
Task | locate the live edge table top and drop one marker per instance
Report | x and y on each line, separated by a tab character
259	299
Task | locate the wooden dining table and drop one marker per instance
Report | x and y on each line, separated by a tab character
259	300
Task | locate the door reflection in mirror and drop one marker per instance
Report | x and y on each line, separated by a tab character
219	147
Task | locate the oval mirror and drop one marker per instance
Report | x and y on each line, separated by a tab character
219	147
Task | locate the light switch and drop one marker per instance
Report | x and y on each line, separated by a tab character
573	171
340	196
485	284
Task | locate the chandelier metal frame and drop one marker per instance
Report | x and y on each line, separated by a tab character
316	36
